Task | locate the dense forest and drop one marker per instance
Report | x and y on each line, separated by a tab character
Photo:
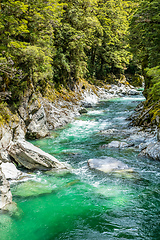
57	42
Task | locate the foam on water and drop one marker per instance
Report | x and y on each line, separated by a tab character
95	112
90	97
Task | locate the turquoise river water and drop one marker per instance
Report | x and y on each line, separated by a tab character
88	204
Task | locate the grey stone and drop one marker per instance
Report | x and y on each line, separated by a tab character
31	157
109	132
114	144
19	133
4	156
133	92
108	164
83	110
87	105
152	151
37	130
5	193
5	137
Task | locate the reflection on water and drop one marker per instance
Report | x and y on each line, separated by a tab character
87	204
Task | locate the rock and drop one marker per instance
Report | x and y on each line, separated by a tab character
13	210
19	134
141	137
86	105
109	132
4	156
60	113
121	94
31	157
117	144
133	92
10	171
37	130
31	189
142	146
125	145
5	193
116	132
5	222
158	134
108	164
83	110
152	151
5	137
37	127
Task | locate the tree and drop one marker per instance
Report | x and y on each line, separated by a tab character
27	37
72	38
145	36
110	53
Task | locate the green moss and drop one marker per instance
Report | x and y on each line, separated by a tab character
155	112
4	113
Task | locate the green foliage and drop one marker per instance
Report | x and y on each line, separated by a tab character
145	32
154	91
26	37
110	53
144	40
58	42
73	36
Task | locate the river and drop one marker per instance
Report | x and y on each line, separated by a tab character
88	204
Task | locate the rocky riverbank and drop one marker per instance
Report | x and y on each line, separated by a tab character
148	134
34	119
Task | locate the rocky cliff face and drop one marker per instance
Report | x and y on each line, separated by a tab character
5	193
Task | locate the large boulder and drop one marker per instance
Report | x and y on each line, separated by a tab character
31	157
5	193
108	164
152	151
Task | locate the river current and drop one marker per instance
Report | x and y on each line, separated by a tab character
87	204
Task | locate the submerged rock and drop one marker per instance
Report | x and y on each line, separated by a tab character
108	164
31	189
34	188
14	210
31	157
